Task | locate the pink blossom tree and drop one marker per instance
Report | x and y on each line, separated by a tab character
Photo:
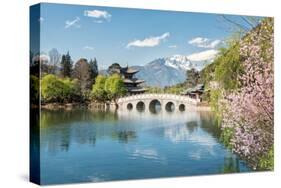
249	111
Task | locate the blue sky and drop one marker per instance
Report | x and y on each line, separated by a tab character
128	36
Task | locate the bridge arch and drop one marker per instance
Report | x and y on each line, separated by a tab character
140	106
130	106
154	106
170	106
181	107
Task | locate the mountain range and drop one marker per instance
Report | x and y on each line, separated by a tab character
168	71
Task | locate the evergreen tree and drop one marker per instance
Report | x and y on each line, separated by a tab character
192	77
94	69
66	65
114	69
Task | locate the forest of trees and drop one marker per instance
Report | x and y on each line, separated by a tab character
63	81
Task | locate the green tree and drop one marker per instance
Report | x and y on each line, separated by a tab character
114	86
192	77
55	89
82	72
71	90
94	69
66	65
98	91
114	69
228	67
155	89
52	89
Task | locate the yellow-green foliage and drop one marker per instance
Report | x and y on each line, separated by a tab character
114	86
207	74
155	90
177	89
98	91
108	88
215	96
224	71
267	162
228	67
54	89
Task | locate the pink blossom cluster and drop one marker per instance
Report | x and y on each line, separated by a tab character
249	111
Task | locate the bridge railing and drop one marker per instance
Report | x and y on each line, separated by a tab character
157	96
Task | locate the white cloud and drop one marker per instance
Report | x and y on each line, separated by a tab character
149	42
98	14
215	43
88	48
204	42
172	46
73	23
207	55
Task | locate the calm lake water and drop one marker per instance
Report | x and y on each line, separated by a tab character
86	146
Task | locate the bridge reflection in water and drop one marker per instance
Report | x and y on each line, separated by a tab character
156	102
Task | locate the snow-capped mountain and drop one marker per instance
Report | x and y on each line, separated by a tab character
179	62
168	71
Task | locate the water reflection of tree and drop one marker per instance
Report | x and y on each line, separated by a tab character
209	123
124	136
55	117
61	128
231	164
191	126
65	140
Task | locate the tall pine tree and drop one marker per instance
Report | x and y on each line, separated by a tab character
66	65
94	69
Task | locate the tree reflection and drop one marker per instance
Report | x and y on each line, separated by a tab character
124	136
231	164
191	126
59	128
65	141
210	124
56	117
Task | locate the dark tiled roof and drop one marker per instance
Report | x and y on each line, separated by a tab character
133	80
197	89
129	70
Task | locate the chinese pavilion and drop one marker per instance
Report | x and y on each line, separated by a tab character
133	84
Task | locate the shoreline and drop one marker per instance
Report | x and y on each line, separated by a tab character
70	106
104	106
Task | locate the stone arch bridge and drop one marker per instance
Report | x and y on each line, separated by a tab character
170	102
